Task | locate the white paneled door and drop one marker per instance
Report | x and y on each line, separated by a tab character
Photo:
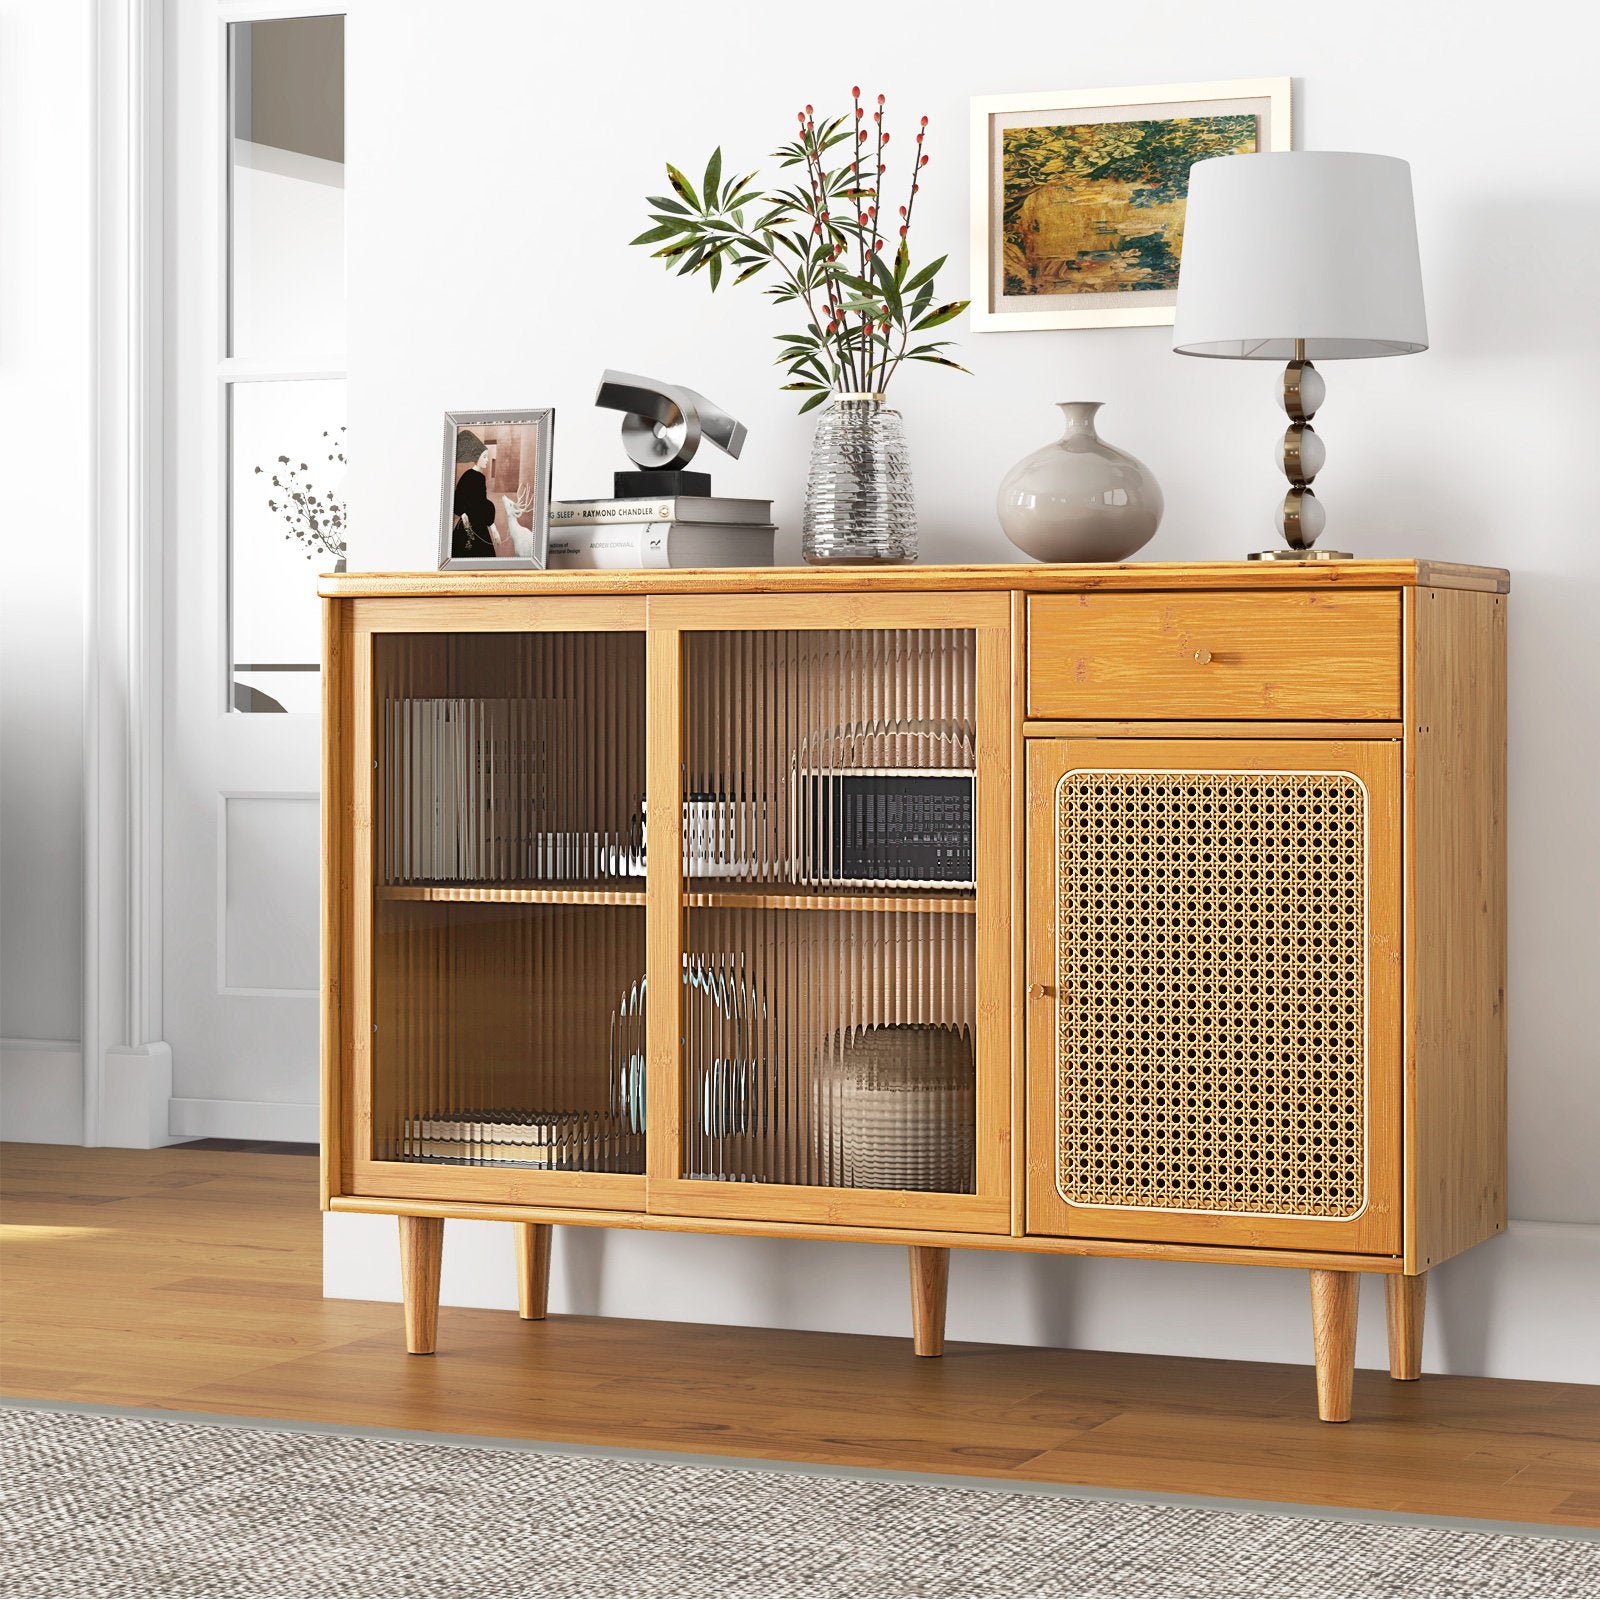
254	512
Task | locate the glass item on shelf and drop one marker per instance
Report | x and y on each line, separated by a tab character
859	505
721	1020
904	743
720	836
1079	498
887	804
896	1107
626	860
725	1101
630	1058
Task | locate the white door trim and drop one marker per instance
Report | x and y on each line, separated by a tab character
127	1067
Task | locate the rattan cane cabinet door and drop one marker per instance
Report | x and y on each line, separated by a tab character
1214	996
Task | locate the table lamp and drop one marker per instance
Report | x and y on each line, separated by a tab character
1300	256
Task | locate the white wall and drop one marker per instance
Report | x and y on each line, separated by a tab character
496	172
45	509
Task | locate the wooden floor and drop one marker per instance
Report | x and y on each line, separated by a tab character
190	1279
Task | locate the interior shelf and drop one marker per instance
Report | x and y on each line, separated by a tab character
797	897
533	894
779	897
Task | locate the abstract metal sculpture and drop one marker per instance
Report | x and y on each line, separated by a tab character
662	427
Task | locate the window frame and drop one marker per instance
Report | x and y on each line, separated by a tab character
230	371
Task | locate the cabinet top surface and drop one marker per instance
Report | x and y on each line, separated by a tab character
1035	578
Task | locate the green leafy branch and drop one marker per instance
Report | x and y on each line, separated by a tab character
821	243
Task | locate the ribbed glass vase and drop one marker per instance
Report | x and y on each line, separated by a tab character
859	505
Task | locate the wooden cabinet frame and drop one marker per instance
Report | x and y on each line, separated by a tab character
1435	784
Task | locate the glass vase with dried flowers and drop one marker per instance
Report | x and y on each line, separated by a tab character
826	245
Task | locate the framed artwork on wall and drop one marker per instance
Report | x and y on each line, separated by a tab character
1078	198
495	511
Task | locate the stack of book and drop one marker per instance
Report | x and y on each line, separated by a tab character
686	530
558	1141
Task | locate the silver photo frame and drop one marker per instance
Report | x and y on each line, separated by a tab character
494	512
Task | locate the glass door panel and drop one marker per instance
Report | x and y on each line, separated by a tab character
509	924
830	1048
496	1028
829	866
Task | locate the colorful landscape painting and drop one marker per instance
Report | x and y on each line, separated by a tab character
1098	206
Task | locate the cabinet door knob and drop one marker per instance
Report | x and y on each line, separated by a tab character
1202	656
1039	991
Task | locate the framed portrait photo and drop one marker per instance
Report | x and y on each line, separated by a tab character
1078	198
496	503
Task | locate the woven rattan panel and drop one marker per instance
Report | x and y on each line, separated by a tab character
1212	971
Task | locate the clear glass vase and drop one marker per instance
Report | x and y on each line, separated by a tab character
859	505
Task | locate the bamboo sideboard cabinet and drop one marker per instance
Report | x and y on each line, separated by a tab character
1150	911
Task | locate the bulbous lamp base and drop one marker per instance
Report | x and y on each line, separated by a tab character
1301	454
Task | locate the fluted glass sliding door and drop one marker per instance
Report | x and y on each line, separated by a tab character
836	806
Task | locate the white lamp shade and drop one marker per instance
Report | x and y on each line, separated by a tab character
1313	245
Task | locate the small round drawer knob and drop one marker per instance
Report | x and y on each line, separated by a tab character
1039	991
1202	656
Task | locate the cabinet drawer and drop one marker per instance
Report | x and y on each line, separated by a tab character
1175	656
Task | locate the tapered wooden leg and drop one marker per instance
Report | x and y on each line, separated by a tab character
533	1269
421	1250
930	1279
1334	1298
1407	1298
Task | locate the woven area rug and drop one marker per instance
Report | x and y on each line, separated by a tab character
133	1506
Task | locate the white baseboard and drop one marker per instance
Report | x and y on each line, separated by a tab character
136	1090
41	1091
1523	1305
41	1101
244	1119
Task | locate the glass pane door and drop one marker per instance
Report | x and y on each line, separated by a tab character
509	933
829	864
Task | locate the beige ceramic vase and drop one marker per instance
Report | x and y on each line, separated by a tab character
1079	498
